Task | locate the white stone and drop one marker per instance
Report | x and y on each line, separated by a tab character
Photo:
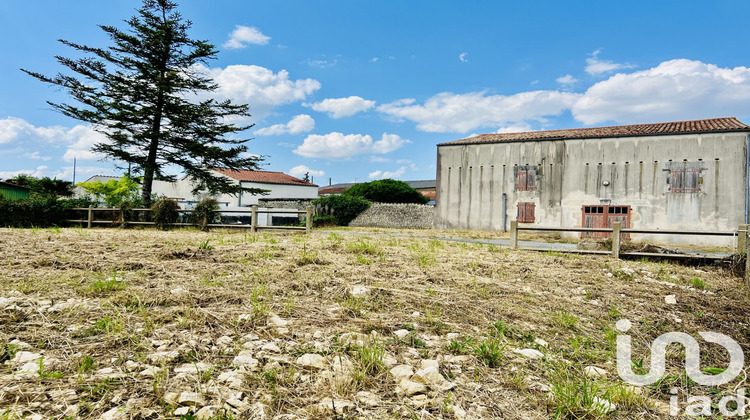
594	372
329	406
670	299
541	343
429	363
359	291
182	411
312	361
409	388
191	398
23	357
453	336
368	399
206	413
401	333
402	371
163	357
246	360
150	372
192	368
114	414
276	321
272	347
529	353
607	406
224	341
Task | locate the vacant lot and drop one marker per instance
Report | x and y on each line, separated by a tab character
147	324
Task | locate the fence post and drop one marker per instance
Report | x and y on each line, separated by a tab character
741	238
254	219
90	217
309	220
746	234
514	233
616	226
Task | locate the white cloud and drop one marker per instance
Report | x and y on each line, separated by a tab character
339	146
674	90
460	113
381	175
515	128
566	80
374	60
378	159
299	124
463	57
260	87
12	129
242	36
83	138
342	107
300	171
596	66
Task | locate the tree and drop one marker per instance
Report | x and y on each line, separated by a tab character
142	94
387	191
113	192
43	187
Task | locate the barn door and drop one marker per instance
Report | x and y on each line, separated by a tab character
594	217
603	217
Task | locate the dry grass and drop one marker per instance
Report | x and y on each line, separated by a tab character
133	292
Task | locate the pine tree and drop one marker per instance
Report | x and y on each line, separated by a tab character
142	94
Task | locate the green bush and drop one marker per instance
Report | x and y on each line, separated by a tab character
204	213
324	220
345	208
386	191
165	213
38	212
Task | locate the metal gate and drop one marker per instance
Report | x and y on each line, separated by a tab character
603	216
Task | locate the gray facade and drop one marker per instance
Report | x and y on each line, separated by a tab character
688	180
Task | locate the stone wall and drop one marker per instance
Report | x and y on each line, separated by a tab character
400	216
295	203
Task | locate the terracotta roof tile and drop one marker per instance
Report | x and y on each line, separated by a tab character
267	177
712	125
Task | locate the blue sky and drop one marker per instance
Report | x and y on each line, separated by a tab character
361	90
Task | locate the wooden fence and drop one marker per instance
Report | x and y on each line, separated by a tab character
90	220
617	231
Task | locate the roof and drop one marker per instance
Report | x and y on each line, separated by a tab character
11	185
335	188
265	177
423	184
712	125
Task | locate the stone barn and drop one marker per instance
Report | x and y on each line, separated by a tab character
687	175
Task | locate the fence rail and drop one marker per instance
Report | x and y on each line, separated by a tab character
254	226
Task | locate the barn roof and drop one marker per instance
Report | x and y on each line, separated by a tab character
711	125
11	185
265	177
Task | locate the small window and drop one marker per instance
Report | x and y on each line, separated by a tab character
684	177
526	212
527	178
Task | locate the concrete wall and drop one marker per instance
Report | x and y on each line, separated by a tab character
472	179
399	216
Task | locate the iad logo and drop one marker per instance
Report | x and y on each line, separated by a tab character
692	368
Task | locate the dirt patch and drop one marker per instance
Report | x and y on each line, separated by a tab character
237	325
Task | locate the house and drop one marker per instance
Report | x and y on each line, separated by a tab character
278	184
10	191
688	175
425	187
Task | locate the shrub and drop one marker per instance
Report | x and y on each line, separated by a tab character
386	191
38	212
204	213
345	208
165	213
324	220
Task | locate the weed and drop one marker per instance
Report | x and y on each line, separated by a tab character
354	305
361	259
205	245
371	358
258	301
575	395
307	257
104	285
8	352
86	365
362	246
44	373
425	259
698	283
613	313
490	352
460	346
564	319
335	239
